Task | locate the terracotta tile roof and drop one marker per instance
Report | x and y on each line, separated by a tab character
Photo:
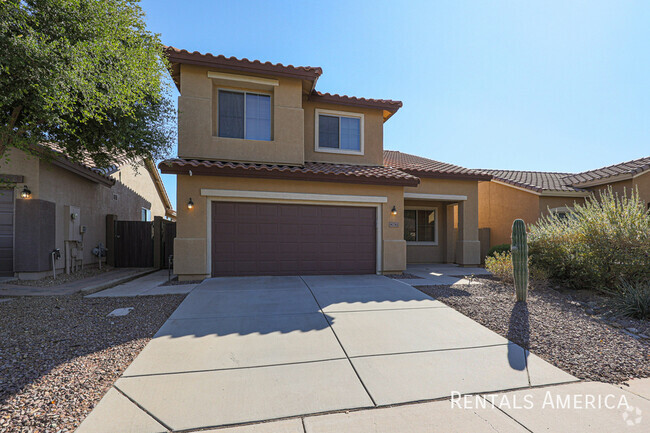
424	167
630	167
383	104
315	171
537	181
176	55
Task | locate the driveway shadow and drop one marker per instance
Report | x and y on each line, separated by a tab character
519	335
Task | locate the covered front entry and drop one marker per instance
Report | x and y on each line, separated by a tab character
292	239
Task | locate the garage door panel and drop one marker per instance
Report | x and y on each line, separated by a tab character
288	239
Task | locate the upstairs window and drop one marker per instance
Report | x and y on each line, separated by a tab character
244	115
339	132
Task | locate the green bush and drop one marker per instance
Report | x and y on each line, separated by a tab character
633	299
500	265
602	242
502	248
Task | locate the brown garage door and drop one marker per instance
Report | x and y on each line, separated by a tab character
288	239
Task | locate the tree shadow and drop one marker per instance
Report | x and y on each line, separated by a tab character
519	334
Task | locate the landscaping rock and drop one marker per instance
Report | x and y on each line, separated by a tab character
555	327
59	356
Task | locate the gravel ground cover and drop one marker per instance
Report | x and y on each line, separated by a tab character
556	327
59	355
61	278
404	276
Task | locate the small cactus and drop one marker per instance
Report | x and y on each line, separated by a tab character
520	259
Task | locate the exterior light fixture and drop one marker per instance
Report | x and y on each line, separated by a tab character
393	211
190	204
25	193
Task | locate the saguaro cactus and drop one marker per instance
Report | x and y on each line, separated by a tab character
520	259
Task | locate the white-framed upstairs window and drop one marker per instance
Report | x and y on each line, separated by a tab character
338	132
245	115
421	226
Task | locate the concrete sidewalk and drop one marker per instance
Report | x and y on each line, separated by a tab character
245	350
441	274
148	285
85	285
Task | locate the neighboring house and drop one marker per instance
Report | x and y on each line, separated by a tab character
56	203
276	178
529	195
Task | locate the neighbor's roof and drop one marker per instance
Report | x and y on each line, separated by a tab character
85	166
537	181
629	168
314	171
550	182
424	167
177	55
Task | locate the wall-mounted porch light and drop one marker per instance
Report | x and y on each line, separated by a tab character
25	193
190	204
393	211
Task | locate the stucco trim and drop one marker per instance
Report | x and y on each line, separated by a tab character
378	220
293	196
565	194
243	78
439	197
516	187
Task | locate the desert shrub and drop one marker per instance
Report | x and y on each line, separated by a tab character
500	265
502	248
600	243
633	299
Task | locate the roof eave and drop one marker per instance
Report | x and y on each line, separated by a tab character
172	168
441	175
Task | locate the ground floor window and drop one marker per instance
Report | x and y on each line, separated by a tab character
420	225
146	214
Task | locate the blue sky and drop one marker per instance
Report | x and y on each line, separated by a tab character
552	85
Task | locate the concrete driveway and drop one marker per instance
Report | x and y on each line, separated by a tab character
240	350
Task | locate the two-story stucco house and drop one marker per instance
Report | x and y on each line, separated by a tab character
276	178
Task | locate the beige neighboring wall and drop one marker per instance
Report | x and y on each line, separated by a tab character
641	182
549	202
500	205
373	138
140	182
467	246
197	120
17	162
95	201
192	235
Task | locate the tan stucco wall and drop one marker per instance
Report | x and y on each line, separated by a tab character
19	163
197	120
95	201
192	238
139	180
372	135
546	203
643	184
500	205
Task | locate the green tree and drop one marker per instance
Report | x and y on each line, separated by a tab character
85	74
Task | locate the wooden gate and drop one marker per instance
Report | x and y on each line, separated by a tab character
133	244
167	245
